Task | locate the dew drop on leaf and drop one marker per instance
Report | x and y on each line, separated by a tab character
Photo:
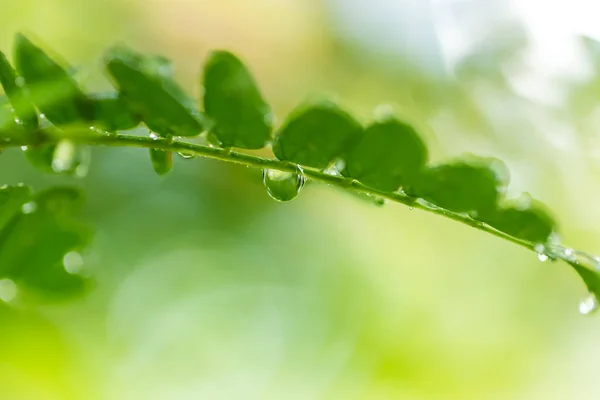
186	155
8	290
29	208
282	185
73	262
588	305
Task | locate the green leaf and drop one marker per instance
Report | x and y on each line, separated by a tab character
41	156
52	89
390	154
315	135
532	224
234	103
12	199
465	186
162	161
35	241
145	83
9	129
590	278
17	95
112	113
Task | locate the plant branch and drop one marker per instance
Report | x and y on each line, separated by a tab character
232	156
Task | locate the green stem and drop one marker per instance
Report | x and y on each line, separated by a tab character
229	155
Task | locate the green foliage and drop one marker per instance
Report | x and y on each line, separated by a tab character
52	89
146	84
389	155
37	231
314	136
240	117
471	186
113	113
386	159
24	109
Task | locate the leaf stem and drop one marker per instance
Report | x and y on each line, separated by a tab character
232	156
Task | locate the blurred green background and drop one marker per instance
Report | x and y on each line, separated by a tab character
208	289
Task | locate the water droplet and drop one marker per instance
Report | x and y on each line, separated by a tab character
379	201
411	208
213	140
569	253
17	121
20	81
283	185
8	290
71	159
523	202
588	305
541	252
186	155
578	257
162	161
73	262
384	112
29	208
335	168
154	136
427	204
24	148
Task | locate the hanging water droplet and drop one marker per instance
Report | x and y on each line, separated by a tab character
8	290
29	208
411	208
69	158
186	155
540	249
588	305
73	262
283	185
379	201
162	161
